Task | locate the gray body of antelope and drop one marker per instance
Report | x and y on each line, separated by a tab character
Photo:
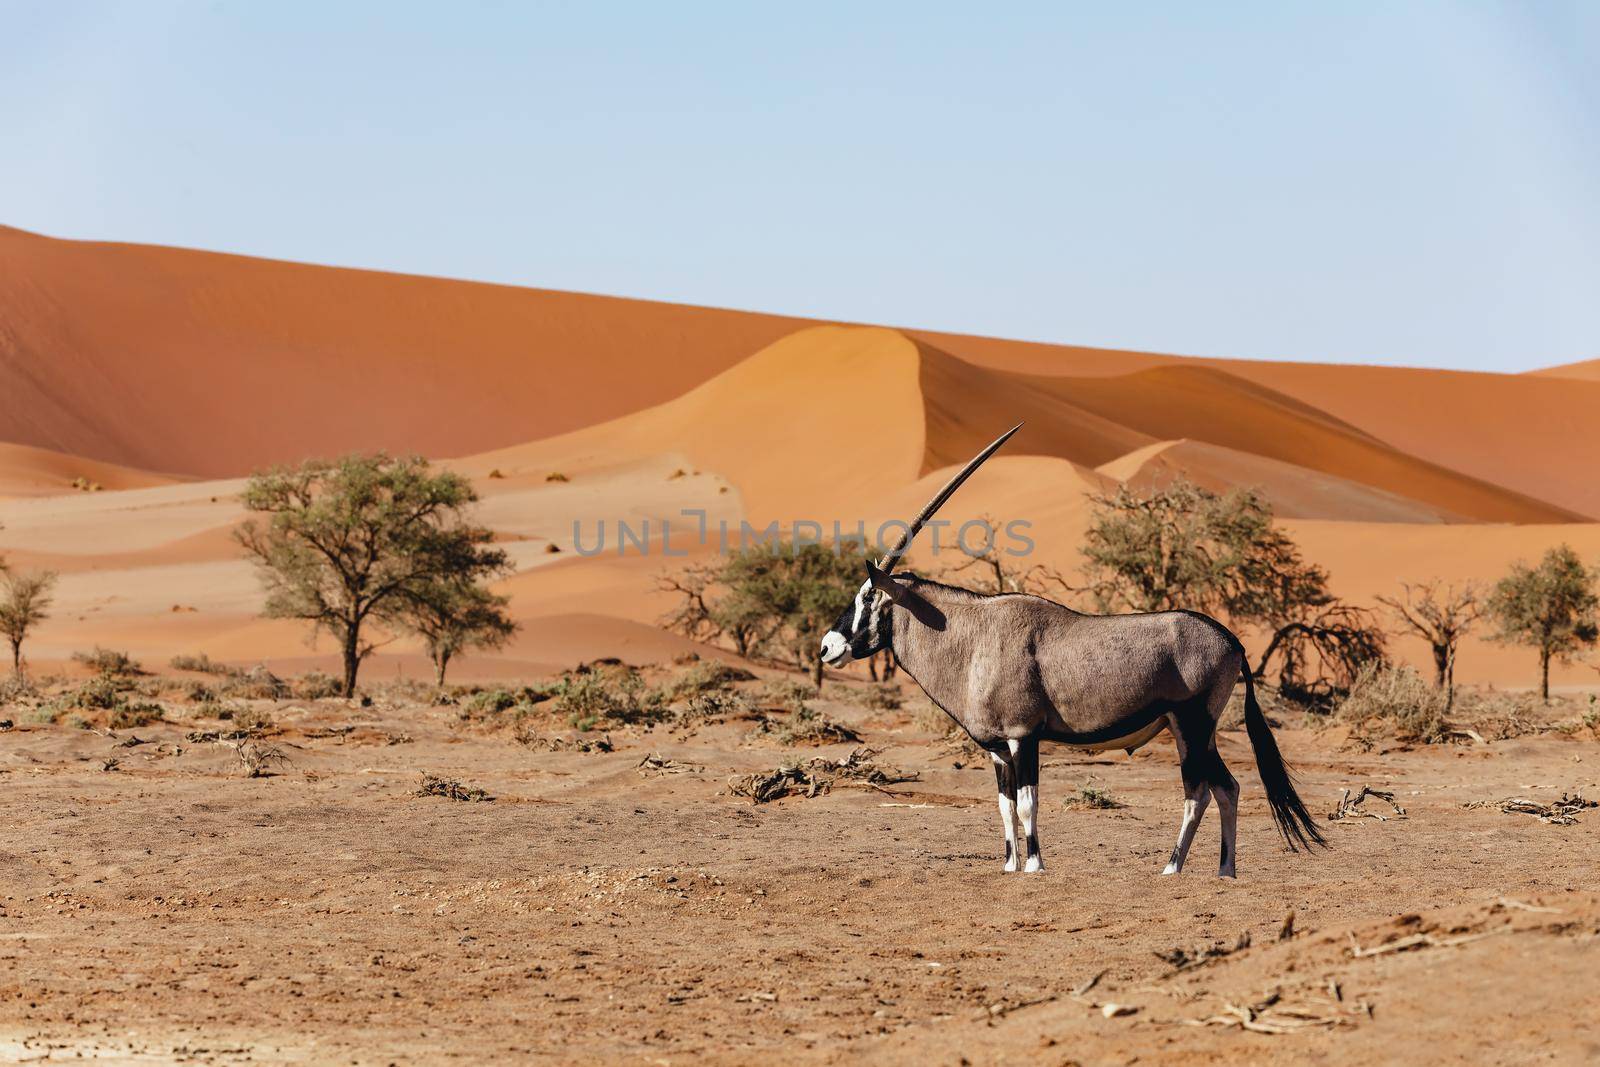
1015	671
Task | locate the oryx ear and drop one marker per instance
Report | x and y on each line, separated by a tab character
883	583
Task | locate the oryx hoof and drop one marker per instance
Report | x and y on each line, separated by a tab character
1171	868
1034	865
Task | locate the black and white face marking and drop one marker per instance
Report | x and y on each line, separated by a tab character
860	629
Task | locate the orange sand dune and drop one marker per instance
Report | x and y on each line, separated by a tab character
1527	432
26	472
1294	492
1093	420
1585	370
207	364
213	365
826	414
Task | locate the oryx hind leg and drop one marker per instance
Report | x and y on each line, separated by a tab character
1005	780
1224	786
1193	729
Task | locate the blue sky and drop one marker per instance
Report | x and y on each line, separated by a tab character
1410	183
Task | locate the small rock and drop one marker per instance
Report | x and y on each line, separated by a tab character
1111	1011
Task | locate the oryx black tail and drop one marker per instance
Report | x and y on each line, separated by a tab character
1288	810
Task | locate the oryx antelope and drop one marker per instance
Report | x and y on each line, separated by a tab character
1014	670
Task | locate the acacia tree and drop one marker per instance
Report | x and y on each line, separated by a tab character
1441	614
350	542
1550	607
454	616
25	598
1184	546
774	598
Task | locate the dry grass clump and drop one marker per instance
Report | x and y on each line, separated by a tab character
257	683
1399	698
705	676
780	694
108	661
129	716
1092	798
434	785
807	726
703	709
880	696
203	664
615	695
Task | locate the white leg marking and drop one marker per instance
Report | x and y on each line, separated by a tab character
1193	808
1028	808
1008	816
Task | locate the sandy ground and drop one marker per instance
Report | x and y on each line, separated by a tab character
172	910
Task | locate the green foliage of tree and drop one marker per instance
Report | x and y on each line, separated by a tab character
452	617
346	543
25	598
1551	607
1184	546
775	599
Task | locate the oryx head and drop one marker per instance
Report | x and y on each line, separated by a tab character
862	628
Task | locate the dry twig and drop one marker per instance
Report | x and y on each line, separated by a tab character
1351	808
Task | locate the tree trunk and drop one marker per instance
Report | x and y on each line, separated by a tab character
1450	680
352	660
816	672
440	662
16	656
1441	664
1544	675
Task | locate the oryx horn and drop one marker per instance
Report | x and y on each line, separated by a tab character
939	498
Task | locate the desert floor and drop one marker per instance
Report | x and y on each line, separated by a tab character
164	907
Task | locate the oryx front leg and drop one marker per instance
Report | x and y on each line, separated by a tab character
1005	780
1025	759
1196	796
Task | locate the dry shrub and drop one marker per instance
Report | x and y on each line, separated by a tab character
251	720
130	716
807	727
1092	798
108	661
100	693
315	685
435	786
703	709
1399	698
614	695
882	696
203	664
258	759
784	695
705	676
257	683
